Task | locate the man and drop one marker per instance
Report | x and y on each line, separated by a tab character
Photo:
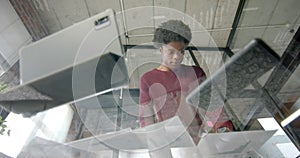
163	90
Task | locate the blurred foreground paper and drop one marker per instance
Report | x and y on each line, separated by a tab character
161	140
39	147
152	141
232	143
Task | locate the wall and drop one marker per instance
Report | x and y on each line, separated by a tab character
13	35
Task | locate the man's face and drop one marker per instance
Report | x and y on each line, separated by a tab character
172	54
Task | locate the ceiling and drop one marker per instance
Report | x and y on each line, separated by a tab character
271	20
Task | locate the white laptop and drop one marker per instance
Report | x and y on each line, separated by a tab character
74	63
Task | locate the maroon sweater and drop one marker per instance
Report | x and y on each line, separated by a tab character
162	95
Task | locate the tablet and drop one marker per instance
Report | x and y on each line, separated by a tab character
246	66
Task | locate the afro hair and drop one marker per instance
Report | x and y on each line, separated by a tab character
171	31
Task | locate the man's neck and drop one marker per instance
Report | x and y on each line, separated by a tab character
165	68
